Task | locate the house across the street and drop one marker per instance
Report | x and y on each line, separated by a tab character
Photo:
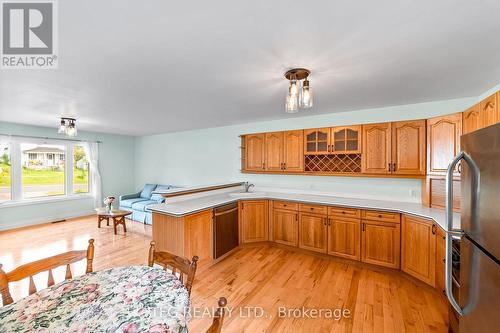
43	158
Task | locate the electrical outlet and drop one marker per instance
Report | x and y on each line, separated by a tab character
413	193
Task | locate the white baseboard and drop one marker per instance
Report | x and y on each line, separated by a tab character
45	219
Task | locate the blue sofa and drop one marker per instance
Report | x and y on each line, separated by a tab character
138	202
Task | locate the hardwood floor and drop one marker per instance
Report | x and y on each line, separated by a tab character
255	280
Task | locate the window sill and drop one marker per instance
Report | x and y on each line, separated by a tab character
36	201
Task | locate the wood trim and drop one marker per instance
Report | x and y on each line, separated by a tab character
338	174
201	189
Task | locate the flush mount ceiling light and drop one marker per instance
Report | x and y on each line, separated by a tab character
299	92
68	127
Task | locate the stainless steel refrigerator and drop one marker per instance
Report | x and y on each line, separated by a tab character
478	301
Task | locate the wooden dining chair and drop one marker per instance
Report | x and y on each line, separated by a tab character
42	265
180	266
219	314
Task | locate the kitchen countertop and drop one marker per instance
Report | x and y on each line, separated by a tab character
193	205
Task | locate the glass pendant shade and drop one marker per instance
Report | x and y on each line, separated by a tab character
62	127
306	96
292	103
294	88
71	131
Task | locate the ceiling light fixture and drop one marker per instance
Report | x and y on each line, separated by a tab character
68	127
299	93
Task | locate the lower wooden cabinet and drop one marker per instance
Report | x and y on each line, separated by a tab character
313	232
254	222
440	260
344	237
380	243
419	248
285	227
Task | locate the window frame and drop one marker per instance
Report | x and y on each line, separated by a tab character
16	172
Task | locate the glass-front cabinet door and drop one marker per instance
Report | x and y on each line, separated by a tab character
346	140
316	141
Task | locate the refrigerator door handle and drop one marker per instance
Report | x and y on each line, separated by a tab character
474	272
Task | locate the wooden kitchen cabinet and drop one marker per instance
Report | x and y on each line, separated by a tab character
471	119
408	147
285	224
313	232
253	219
376	147
255	152
344	237
490	111
440	260
380	243
418	248
443	142
345	140
293	152
274	151
317	141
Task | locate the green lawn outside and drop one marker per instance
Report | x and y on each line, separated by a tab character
42	177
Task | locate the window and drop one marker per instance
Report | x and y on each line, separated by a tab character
80	170
32	169
5	172
43	177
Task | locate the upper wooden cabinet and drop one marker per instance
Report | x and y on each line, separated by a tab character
408	147
274	151
253	219
443	142
316	141
418	247
490	111
394	148
293	152
376	157
255	152
284	151
345	140
472	119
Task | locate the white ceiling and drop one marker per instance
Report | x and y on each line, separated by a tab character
144	67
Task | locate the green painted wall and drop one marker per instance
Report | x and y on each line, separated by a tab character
116	163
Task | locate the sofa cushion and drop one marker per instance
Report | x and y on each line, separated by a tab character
160	188
141	205
146	191
129	202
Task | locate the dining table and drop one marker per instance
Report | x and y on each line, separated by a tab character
128	299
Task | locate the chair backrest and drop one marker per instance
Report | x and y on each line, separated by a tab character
42	265
180	266
219	314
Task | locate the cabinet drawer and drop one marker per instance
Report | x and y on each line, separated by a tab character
344	212
313	209
375	215
286	205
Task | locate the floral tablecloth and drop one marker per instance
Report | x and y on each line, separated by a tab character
125	299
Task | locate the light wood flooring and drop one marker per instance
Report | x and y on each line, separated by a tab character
257	281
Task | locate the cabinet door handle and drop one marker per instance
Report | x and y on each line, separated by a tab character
362	226
296	217
284	165
433	229
325	223
389	167
263	165
394	167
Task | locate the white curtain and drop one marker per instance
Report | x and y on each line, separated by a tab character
92	151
